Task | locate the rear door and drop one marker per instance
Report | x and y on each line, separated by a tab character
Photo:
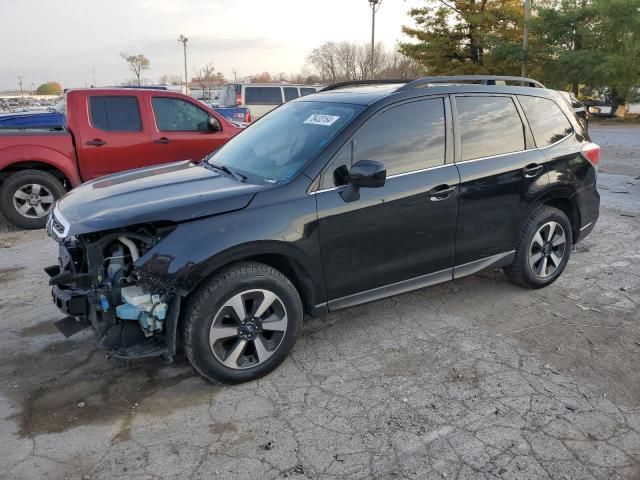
113	136
501	173
262	99
180	130
402	234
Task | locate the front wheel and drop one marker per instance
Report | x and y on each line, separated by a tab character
27	197
242	324
543	249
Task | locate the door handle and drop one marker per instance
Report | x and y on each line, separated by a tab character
162	141
97	142
532	170
441	192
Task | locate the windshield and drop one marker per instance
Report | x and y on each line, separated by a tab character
279	145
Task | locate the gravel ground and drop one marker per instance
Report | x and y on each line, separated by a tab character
476	378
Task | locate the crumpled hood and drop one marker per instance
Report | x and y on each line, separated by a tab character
173	192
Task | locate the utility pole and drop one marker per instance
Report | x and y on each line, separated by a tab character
525	36
375	5
93	73
184	39
20	83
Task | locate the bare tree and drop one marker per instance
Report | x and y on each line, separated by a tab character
207	78
137	64
335	62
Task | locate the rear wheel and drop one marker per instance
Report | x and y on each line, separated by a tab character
28	196
242	324
543	250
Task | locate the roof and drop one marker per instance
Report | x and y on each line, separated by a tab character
365	92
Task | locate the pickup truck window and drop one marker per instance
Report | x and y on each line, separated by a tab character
115	113
306	91
176	115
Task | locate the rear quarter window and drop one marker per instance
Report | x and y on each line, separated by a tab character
306	91
262	95
547	121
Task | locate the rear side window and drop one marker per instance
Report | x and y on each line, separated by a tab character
290	93
489	126
177	115
262	96
306	91
405	138
115	114
547	121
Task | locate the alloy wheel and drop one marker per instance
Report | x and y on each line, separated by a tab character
33	200
547	249
248	328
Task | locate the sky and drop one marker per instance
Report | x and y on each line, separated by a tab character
68	40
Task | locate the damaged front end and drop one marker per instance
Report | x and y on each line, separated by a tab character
96	280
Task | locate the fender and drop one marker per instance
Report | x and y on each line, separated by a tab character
62	161
564	192
196	249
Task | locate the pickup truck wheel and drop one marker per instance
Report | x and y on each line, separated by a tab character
543	249
242	323
27	197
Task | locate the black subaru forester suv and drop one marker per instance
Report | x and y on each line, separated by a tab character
359	192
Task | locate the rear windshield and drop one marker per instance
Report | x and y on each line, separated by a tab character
278	146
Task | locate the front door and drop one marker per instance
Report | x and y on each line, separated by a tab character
114	136
501	173
400	236
181	131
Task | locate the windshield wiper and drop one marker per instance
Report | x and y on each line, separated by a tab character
225	169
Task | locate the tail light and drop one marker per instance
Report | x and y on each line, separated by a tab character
247	116
591	152
238	99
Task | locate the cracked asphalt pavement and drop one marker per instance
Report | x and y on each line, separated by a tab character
475	378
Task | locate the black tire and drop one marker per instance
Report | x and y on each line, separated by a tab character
207	303
23	179
521	271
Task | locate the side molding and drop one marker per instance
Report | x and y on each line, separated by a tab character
499	260
392	289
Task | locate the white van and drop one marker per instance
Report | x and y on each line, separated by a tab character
261	98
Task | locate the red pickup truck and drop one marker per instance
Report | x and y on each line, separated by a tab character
106	131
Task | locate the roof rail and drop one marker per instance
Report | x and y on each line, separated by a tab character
349	83
483	79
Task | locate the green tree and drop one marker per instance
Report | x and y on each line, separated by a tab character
49	88
137	64
466	36
595	43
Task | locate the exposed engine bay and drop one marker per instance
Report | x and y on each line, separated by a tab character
96	280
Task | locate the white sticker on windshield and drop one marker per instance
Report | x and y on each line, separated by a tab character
320	119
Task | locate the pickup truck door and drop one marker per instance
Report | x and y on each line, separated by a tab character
180	130
112	135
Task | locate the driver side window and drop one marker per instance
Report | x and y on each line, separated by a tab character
176	115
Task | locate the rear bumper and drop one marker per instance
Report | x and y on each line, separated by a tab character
588	202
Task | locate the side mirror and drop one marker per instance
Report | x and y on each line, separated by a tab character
364	174
213	124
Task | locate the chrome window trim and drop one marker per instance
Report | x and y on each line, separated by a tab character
422	170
